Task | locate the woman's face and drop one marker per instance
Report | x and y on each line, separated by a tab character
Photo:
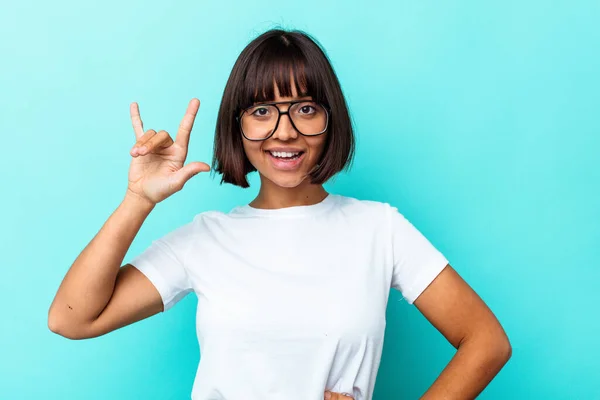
288	173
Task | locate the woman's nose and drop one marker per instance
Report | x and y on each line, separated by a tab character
285	130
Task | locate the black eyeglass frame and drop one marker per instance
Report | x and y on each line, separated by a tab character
280	113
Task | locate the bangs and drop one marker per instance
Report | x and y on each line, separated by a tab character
279	63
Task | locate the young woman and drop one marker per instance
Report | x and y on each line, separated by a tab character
292	288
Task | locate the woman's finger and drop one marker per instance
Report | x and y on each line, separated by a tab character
337	396
186	173
136	120
187	123
157	142
141	142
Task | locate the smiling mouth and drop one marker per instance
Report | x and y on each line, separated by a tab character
283	155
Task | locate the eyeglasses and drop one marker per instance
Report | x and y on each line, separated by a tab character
260	121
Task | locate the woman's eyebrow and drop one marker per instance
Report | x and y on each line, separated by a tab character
283	102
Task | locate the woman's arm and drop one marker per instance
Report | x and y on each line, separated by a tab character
97	295
87	302
469	325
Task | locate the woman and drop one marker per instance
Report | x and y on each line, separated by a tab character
292	288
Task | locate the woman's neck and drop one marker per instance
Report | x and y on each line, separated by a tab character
271	196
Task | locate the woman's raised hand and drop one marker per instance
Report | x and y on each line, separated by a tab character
157	169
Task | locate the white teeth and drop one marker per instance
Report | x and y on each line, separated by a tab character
284	154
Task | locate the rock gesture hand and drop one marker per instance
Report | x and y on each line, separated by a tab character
157	169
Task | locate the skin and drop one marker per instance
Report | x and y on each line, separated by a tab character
98	295
280	189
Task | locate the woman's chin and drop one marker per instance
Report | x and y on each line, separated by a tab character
288	182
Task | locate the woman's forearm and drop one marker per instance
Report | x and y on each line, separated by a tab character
89	283
475	364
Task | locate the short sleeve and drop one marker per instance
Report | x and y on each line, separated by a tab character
416	262
163	263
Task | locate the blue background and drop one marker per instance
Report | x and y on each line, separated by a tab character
478	120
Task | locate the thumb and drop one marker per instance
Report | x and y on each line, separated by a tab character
185	173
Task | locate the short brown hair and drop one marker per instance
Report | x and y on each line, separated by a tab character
271	56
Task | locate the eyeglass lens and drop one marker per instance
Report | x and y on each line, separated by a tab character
258	122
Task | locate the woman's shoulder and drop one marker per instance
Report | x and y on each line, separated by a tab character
209	215
362	204
367	210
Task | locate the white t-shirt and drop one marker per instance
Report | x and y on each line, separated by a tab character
292	301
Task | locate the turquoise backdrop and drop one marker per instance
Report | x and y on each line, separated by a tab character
478	120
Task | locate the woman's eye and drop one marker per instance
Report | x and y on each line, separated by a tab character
260	112
307	110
